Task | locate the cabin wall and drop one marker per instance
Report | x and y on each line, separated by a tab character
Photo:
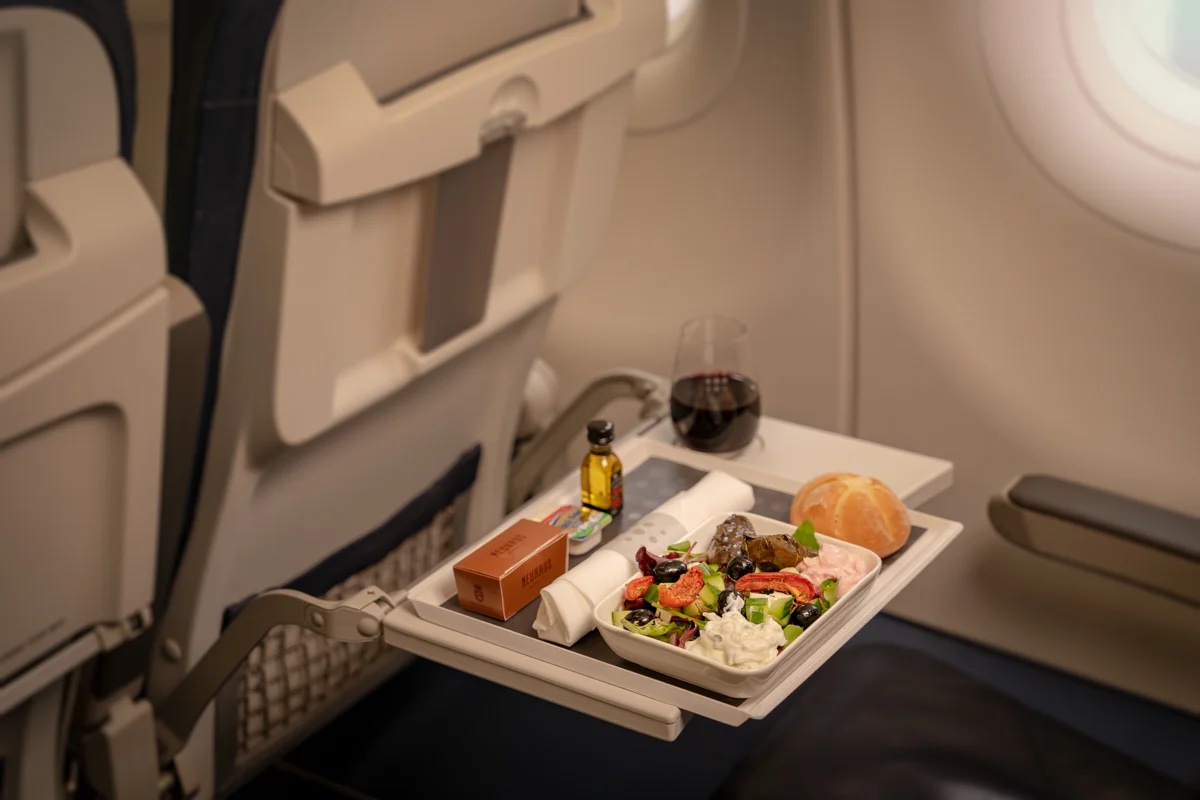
733	213
1011	330
997	322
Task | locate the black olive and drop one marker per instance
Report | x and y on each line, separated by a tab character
729	601
806	614
642	616
739	566
669	571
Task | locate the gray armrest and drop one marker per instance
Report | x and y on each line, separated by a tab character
1127	539
1138	522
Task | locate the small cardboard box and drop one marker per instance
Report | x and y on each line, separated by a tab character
505	574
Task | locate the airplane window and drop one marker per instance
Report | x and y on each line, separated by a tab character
1171	29
1104	95
1155	46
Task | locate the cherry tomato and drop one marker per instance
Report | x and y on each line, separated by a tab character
683	591
797	586
636	588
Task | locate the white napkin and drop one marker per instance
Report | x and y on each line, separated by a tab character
715	493
712	494
565	615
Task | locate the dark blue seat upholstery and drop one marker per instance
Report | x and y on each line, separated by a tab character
889	722
877	721
218	51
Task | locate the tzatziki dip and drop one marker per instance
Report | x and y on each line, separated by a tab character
736	642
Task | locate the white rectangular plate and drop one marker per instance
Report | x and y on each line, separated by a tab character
713	675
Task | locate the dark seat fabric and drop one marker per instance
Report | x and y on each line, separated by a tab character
877	721
110	23
883	721
218	48
439	733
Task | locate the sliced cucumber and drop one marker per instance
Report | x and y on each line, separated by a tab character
756	609
780	606
708	596
618	616
829	589
792	632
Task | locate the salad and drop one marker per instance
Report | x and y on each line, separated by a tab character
744	600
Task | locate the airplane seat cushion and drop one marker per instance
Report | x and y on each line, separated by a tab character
110	23
887	721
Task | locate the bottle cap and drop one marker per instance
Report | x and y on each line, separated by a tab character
600	431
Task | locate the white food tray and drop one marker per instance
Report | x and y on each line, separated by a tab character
714	675
770	472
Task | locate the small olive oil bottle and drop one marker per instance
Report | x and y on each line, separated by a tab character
600	475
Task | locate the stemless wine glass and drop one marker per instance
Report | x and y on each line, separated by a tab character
715	403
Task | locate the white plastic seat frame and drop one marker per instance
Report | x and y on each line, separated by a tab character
83	341
333	406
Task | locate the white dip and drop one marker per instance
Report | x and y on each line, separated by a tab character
735	641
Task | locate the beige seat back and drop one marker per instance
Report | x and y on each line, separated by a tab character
83	340
423	180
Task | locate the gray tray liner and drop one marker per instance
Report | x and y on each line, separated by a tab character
648	486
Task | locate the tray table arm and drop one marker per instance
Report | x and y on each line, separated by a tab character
651	390
355	619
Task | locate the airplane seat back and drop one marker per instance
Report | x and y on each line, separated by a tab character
378	204
83	341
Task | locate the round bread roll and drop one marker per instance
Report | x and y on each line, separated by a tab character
855	509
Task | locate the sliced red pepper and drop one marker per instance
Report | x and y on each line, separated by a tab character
683	591
796	585
636	588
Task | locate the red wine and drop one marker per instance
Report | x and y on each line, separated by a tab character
716	412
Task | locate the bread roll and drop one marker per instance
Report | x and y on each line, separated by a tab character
855	509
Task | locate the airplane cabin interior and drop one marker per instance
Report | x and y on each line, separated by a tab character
599	398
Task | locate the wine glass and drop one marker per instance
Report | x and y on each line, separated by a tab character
715	403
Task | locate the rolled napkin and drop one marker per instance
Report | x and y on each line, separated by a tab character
712	494
565	615
715	493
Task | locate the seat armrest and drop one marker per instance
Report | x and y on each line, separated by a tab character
1147	545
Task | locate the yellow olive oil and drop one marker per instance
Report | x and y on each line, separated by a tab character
600	476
